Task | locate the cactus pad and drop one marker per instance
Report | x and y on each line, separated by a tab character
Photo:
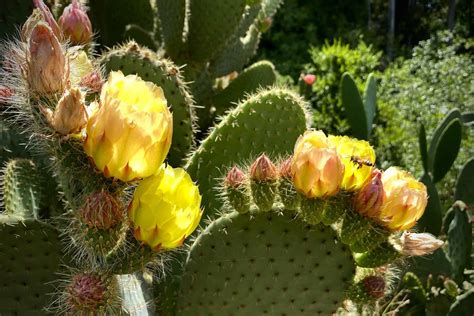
31	256
266	263
131	59
269	121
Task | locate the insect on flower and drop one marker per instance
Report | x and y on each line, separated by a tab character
361	162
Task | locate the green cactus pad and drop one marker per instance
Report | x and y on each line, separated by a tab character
265	263
431	221
22	189
12	143
380	255
131	59
267	122
465	184
460	242
31	255
354	107
211	23
172	14
259	75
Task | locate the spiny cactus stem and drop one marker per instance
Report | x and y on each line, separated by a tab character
380	255
374	236
264	193
354	227
288	194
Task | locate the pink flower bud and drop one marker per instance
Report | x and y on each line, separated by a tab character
263	169
47	65
101	210
48	17
92	81
235	177
309	79
86	292
374	286
285	169
369	199
75	23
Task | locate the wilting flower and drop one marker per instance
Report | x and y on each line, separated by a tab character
165	209
368	201
413	244
404	201
263	169
129	135
75	23
47	66
358	158
48	17
70	115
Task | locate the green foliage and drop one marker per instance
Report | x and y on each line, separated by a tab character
265	263
424	89
464	184
460	241
329	63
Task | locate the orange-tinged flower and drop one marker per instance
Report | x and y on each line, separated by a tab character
166	208
317	172
129	135
311	139
358	158
404	201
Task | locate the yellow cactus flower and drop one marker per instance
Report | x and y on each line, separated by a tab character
358	158
317	172
166	208
312	139
404	201
129	135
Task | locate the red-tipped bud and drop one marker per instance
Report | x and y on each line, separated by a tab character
92	81
101	210
48	68
235	177
86	292
285	169
75	23
48	17
419	244
263	169
374	286
368	200
309	79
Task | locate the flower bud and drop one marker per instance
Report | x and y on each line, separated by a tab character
358	158
48	17
70	115
48	68
309	79
166	208
413	244
405	199
318	172
93	82
263	169
374	286
235	178
5	95
87	292
129	136
75	23
285	169
368	200
101	210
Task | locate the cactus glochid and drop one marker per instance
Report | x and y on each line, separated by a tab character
108	135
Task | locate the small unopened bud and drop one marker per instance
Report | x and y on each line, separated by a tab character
368	200
235	177
48	17
75	23
285	169
92	81
237	190
5	95
48	68
413	244
101	210
87	292
263	169
309	79
70	115
374	286
30	24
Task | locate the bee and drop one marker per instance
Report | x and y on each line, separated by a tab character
361	162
